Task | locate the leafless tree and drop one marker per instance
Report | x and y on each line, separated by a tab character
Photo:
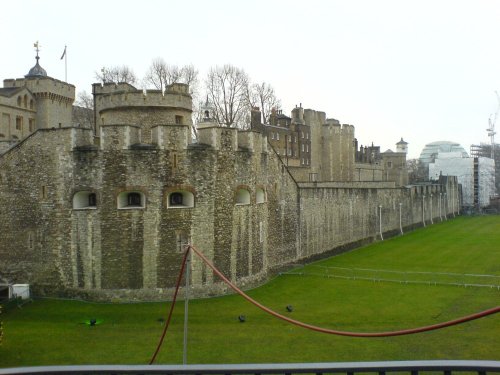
83	110
157	74
117	74
160	74
227	88
85	100
263	96
417	171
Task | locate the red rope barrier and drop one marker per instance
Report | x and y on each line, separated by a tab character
174	299
410	331
464	319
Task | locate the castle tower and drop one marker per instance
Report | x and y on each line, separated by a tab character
123	104
36	101
402	146
54	98
207	118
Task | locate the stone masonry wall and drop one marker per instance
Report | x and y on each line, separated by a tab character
334	217
109	251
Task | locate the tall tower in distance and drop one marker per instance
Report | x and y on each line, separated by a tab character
402	146
53	98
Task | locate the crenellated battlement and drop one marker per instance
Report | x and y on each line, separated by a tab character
111	95
44	86
334	126
223	138
122	103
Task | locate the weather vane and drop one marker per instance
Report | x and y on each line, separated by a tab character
37	48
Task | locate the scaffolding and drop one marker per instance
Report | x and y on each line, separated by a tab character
485	150
476	175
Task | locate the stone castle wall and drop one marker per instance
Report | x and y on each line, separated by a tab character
110	251
332	147
335	216
53	102
136	251
124	104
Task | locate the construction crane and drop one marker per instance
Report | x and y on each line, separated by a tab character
491	128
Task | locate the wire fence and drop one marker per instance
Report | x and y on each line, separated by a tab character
402	277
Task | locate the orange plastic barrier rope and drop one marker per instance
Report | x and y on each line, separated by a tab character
464	319
174	299
410	331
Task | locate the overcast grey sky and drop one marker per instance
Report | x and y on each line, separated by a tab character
422	70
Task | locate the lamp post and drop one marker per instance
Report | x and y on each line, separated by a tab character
432	222
186	306
423	209
380	222
445	206
400	221
440	201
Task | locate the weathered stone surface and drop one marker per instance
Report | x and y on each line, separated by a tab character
101	222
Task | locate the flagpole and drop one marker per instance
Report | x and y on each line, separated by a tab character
65	64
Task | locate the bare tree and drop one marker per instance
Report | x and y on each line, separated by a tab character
417	171
117	74
227	88
83	110
85	100
160	74
263	96
189	75
157	74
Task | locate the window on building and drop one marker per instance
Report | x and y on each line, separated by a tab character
277	136
31	240
302	147
179	120
289	152
180	199
175	199
32	104
43	192
31	124
242	197
307	135
19	123
302	134
84	199
272	135
307	148
92	200
19	101
389	164
260	196
25	101
131	199
134	199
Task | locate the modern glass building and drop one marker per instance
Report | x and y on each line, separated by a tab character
431	151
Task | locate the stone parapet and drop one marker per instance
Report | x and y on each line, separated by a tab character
119	137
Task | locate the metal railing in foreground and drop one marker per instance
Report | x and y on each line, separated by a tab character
349	368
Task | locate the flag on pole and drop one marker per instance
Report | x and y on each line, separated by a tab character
64	53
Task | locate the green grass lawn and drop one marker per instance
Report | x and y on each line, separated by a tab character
47	332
